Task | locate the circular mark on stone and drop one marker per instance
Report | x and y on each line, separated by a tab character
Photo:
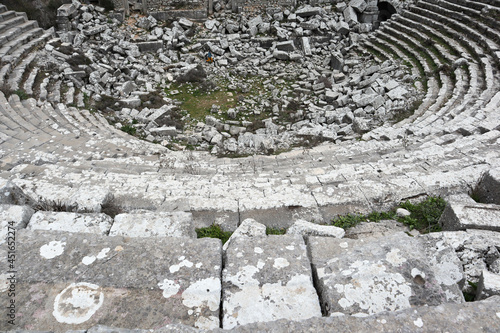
77	303
52	250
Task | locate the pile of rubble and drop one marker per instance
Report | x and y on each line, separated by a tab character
293	76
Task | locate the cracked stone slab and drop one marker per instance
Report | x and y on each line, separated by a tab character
157	224
75	281
368	277
267	278
458	216
96	223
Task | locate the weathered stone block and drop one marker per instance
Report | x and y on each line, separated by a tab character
71	222
350	16
13	217
304	228
384	274
273	281
157	224
458	216
285	46
11	194
489	285
358	5
81	280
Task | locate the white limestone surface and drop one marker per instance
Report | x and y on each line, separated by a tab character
157	224
96	223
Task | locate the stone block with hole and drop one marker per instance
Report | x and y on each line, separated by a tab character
266	279
358	277
73	281
458	216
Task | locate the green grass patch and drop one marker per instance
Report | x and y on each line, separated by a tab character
424	216
129	129
214	231
198	102
22	94
274	231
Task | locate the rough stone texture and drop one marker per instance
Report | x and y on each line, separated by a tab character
11	194
367	277
366	230
267	278
158	224
489	285
488	188
76	281
458	216
483	316
304	228
247	228
476	249
96	223
13	217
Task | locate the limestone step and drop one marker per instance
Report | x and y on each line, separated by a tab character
273	281
151	281
14	82
16	55
3	8
11	22
15	32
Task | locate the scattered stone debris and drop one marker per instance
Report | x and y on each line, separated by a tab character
278	80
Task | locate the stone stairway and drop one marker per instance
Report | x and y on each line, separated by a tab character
460	38
126	255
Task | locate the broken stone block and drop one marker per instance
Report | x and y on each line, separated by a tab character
174	279
458	216
350	16
274	281
361	125
285	46
185	22
164	131
372	276
307	11
11	194
247	228
158	224
488	188
489	285
71	222
304	228
336	62
306	46
358	5
281	55
342	28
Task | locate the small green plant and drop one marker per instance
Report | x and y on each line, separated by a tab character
275	231
470	296
129	129
424	215
22	94
214	231
56	206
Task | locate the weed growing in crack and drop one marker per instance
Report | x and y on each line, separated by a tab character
214	231
424	216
